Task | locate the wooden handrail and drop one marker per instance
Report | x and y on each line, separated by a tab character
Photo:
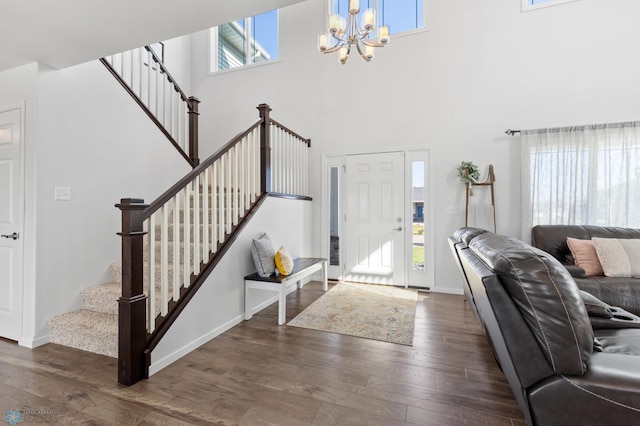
171	192
190	154
168	74
291	132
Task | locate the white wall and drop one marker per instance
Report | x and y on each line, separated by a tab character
94	139
219	303
481	67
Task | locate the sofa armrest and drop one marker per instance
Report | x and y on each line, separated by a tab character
609	393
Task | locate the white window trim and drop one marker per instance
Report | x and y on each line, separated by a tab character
528	8
213	48
328	5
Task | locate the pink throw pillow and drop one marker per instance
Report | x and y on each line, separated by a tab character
585	256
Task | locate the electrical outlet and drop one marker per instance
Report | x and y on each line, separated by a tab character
62	193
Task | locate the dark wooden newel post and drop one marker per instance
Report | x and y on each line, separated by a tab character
132	305
193	129
265	149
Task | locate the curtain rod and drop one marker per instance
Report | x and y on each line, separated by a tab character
582	127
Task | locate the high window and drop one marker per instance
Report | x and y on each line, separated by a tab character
244	42
538	4
399	15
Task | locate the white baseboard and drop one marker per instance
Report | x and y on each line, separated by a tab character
193	345
34	342
448	290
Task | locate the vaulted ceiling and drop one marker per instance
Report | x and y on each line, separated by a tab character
61	33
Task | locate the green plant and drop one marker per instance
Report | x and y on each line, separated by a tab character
468	172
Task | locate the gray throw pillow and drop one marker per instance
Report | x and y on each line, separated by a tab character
263	255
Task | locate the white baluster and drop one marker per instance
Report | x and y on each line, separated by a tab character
151	314
241	174
222	199
164	260
235	193
205	218
176	246
215	195
186	223
228	178
196	226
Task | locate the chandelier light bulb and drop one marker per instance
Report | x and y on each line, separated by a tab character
369	53
369	19
323	42
344	55
336	24
354	6
384	35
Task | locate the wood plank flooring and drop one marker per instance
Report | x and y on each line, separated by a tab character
259	373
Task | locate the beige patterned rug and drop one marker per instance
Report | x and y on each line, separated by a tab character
376	312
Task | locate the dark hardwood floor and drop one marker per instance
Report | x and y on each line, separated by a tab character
259	373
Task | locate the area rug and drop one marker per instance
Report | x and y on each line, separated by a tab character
376	312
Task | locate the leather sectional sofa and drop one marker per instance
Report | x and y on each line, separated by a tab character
622	292
562	369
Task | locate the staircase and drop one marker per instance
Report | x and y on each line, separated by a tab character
205	211
94	328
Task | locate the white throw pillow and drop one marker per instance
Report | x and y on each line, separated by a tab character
619	257
263	255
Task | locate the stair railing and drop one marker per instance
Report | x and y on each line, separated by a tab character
205	210
145	77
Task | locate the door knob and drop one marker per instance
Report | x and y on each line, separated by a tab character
13	236
399	228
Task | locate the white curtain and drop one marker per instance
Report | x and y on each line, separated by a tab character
583	175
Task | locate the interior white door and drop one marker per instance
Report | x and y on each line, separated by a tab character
374	237
11	217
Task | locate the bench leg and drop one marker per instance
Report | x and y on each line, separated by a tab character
248	310
282	304
325	284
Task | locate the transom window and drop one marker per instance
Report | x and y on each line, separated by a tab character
244	42
399	15
538	4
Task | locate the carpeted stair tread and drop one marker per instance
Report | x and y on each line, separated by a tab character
87	330
102	298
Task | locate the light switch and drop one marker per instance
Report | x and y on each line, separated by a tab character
62	193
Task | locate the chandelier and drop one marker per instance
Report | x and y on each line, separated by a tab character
351	33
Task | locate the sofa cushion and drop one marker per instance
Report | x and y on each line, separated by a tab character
585	256
553	238
619	257
546	296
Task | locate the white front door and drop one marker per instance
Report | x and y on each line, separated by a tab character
11	217
374	226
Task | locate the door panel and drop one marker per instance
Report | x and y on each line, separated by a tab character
374	240
11	213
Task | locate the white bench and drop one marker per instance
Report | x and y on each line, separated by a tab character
302	268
